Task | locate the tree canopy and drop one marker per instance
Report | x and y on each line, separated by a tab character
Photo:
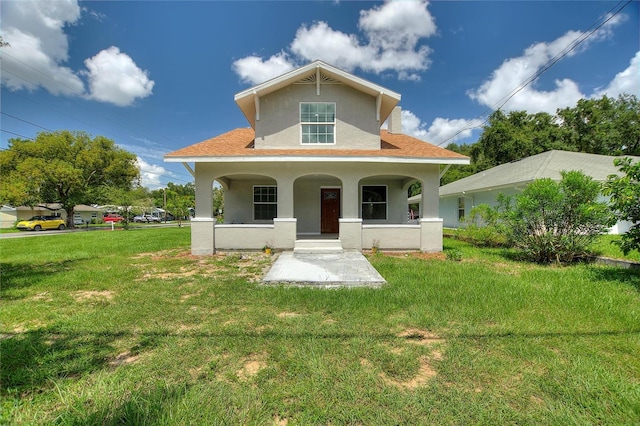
64	167
598	126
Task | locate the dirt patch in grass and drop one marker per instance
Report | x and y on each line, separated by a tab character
280	421
251	365
82	296
425	373
288	315
421	337
123	358
43	296
250	266
416	255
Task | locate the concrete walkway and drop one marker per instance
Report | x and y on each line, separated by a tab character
327	270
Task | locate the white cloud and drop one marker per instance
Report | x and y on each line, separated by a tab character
391	34
39	48
441	131
252	69
150	174
115	78
515	71
627	81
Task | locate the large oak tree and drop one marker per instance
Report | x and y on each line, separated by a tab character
64	167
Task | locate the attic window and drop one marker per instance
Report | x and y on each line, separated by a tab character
318	122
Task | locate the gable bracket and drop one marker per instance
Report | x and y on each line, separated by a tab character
318	81
256	100
444	170
378	106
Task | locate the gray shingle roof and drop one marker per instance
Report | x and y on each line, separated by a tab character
546	165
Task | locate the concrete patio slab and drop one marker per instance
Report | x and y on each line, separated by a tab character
326	270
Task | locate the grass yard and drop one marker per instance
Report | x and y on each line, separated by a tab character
127	328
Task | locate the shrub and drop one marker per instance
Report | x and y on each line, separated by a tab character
484	226
625	201
556	221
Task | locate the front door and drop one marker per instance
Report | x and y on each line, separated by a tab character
330	210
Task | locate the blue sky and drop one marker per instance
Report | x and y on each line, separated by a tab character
156	76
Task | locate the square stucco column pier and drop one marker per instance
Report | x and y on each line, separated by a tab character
431	235
284	231
202	236
351	233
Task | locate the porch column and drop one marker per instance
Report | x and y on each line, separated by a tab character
430	221
285	197
350	222
203	225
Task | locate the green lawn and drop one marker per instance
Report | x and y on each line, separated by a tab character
126	327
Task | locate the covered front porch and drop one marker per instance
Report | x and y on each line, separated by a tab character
311	206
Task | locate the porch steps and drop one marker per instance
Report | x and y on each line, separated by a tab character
318	246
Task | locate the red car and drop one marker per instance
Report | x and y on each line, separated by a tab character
112	218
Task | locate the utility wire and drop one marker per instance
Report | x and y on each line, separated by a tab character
25	121
16	134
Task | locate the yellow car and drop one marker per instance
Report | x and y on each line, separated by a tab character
38	223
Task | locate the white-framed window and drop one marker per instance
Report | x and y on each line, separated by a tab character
318	122
265	202
374	202
460	209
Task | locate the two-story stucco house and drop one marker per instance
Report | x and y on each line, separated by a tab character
315	164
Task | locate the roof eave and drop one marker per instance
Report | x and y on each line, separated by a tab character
314	158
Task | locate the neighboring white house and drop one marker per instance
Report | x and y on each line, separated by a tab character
316	164
459	197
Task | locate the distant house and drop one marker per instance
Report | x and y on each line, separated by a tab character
459	197
82	213
315	164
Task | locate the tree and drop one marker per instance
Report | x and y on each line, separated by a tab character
604	126
514	136
556	221
64	167
625	200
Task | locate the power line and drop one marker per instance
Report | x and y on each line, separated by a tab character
599	23
16	134
25	121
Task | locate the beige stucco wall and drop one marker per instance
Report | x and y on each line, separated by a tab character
8	219
279	123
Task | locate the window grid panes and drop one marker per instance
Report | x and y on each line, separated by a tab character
311	114
460	209
265	202
374	202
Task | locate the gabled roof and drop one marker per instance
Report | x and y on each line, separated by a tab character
319	72
546	165
238	145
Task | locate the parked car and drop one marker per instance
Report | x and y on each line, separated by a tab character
38	223
146	218
112	218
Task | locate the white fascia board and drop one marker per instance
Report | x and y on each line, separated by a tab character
294	74
311	159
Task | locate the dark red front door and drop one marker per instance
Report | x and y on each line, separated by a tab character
330	210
